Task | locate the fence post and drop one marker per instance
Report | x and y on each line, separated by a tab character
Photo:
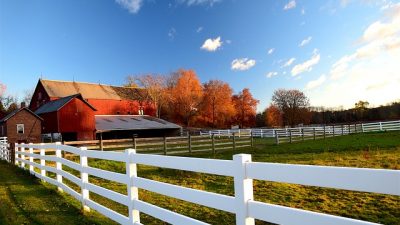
302	134
380	126
213	144
190	142
133	141
243	189
42	162
362	127
31	159
342	130
15	154
276	137
333	128
290	136
101	142
314	133
133	193
251	138
355	128
84	179
23	157
324	131
165	145
59	167
234	142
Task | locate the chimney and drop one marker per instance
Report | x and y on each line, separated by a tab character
23	104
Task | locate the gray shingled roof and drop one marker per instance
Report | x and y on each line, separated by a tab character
55	105
131	122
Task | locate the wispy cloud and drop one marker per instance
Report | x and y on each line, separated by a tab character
305	41
371	70
242	64
289	62
132	6
307	65
198	2
172	33
290	5
271	74
212	45
271	50
316	83
199	29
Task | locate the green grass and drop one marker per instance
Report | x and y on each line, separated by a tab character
375	150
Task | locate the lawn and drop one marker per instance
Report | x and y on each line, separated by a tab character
374	150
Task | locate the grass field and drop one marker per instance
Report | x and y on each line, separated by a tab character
374	150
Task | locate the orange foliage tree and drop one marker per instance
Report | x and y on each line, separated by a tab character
273	116
217	108
186	95
246	107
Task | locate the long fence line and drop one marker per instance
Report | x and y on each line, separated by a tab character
170	145
283	135
5	153
241	168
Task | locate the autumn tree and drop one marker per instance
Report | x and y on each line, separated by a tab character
293	104
273	116
245	106
154	85
185	96
217	107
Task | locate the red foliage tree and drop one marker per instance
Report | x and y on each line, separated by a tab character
246	107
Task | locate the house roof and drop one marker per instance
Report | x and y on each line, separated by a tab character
60	89
55	105
13	113
106	123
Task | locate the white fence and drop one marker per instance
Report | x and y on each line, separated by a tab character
241	168
270	133
4	151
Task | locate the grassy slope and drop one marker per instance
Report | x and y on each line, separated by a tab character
379	150
24	200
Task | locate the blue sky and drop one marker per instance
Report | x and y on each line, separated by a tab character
338	52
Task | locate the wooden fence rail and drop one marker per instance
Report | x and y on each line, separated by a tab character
170	145
4	149
241	168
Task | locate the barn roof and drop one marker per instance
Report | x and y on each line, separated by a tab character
106	123
55	105
13	113
60	89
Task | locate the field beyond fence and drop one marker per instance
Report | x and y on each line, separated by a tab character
50	166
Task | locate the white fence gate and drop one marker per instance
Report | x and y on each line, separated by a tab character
4	149
241	168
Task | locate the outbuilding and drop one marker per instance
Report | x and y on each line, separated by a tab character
21	125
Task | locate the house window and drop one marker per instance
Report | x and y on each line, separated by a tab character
20	128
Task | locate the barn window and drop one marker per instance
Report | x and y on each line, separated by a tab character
20	128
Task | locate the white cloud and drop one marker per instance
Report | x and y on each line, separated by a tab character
370	72
271	50
289	62
172	33
307	65
242	64
290	5
199	29
212	45
228	41
305	41
198	2
315	83
271	74
303	11
132	6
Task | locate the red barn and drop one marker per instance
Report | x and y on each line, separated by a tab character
106	99
71	116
